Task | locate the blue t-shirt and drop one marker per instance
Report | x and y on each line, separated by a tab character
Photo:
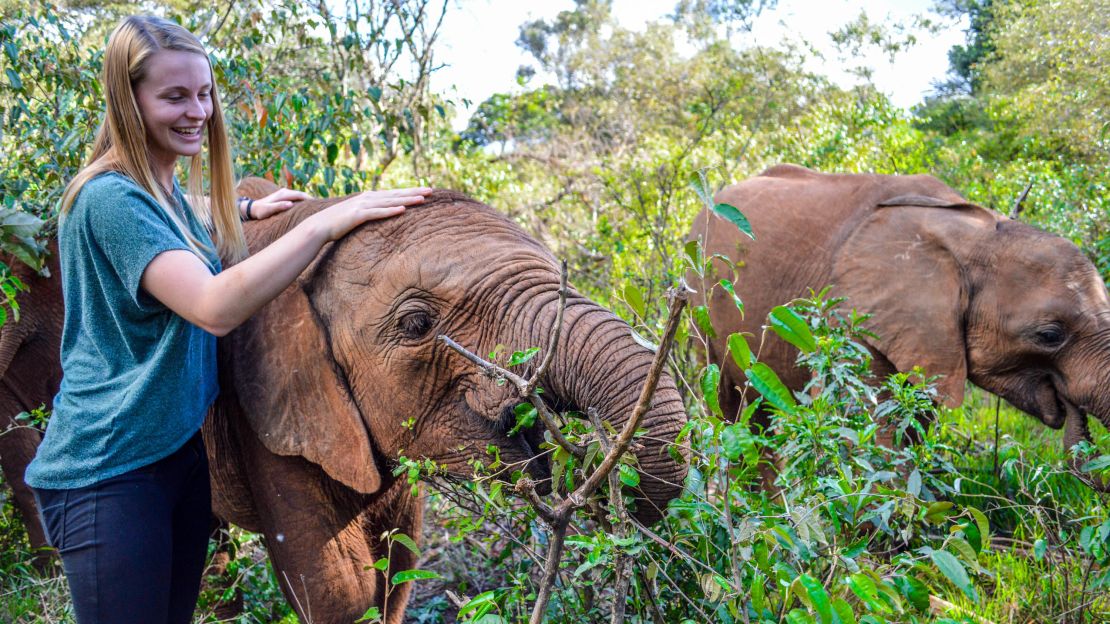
137	378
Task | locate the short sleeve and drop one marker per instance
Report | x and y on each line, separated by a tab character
129	227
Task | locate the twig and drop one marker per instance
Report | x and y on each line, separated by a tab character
579	498
555	330
496	372
622	572
1016	210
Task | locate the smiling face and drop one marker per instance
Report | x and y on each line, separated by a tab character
175	102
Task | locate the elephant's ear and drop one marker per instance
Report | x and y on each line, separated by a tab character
294	395
901	265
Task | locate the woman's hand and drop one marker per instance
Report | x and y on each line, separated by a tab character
335	221
275	203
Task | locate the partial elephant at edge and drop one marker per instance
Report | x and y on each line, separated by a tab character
959	289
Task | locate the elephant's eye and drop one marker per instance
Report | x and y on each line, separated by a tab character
415	324
1051	336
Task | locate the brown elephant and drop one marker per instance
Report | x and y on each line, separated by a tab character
30	373
956	288
324	388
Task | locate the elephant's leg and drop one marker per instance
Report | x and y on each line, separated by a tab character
18	444
323	537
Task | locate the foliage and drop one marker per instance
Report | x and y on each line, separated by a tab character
334	97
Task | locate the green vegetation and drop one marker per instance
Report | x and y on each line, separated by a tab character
978	520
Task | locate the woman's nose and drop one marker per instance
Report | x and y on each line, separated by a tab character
196	109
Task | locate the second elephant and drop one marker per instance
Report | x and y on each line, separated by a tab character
961	290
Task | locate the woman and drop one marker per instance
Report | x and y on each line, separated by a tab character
121	477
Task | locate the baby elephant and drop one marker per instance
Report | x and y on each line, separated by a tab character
956	288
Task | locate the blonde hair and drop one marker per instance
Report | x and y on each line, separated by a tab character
121	142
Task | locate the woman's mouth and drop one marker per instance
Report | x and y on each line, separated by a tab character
188	133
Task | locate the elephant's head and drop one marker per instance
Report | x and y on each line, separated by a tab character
345	368
972	295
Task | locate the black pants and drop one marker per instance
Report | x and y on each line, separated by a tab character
133	546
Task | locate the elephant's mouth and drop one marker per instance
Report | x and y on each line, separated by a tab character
1050	403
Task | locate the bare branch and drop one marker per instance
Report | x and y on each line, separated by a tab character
489	368
1016	210
580	497
549	354
679	297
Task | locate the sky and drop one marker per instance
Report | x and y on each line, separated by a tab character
477	43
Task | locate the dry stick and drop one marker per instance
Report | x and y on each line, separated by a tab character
497	372
578	498
623	572
554	341
527	388
1016	210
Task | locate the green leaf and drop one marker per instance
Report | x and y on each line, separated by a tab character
768	384
412	575
792	328
628	475
13	78
710	382
701	319
375	93
355	145
864	588
372	614
698	184
843	612
916	592
737	218
525	417
520	357
1040	547
381	564
407	542
740	350
818	597
333	153
732	441
952	569
634	297
799	616
1098	463
730	289
938	511
475	603
913	484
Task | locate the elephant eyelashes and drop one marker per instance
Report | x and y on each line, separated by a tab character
415	324
1050	336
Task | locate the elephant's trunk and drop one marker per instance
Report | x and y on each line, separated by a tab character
599	365
1090	393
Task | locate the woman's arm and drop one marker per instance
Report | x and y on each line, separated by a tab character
220	303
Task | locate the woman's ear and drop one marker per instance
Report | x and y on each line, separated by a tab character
294	395
901	265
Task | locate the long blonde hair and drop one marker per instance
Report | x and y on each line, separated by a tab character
121	143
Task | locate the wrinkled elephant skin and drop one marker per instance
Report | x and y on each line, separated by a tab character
964	292
30	374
